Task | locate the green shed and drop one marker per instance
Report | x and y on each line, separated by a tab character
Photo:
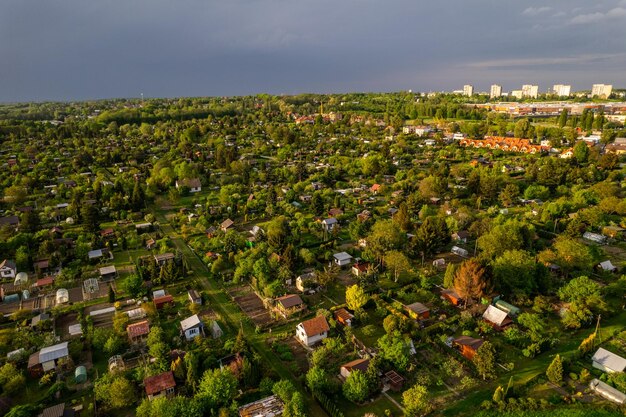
80	374
507	308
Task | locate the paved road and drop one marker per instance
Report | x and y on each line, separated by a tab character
232	315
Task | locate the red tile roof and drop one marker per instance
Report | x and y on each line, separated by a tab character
157	383
315	326
44	281
138	329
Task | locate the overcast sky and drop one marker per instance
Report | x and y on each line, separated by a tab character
86	49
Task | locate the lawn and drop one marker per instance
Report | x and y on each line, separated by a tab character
378	407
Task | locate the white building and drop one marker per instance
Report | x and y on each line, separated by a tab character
608	361
529	90
468	90
601	90
312	331
496	91
7	269
191	327
517	93
342	258
562	90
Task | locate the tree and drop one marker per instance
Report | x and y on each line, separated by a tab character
384	237
402	217
555	370
356	297
509	195
217	387
498	395
133	285
569	254
114	391
317	379
432	235
608	136
111	295
394	348
397	262
514	272
580	289
469	281
89	213
356	387
191	366
587	345
485	360
534	324
416	400
581	152
563	118
448	278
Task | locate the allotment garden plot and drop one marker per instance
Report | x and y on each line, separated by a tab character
251	305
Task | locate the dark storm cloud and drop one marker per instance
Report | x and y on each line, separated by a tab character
77	49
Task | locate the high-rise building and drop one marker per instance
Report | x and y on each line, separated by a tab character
531	91
468	90
517	93
601	90
496	91
562	90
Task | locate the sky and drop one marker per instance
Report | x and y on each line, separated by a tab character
91	49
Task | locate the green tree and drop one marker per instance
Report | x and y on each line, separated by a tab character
356	297
217	387
563	118
581	152
485	360
509	195
317	379
89	213
114	391
398	263
384	237
403	217
534	324
133	285
356	387
448	278
514	272
394	348
555	370
416	401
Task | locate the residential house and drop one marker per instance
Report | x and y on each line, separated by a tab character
138	332
329	224
497	318
12	222
8	269
361	268
163	258
216	330
451	296
161	385
193	184
107	234
303	280
267	407
58	410
192	327
335	212
163	301
468	346
460	236
194	297
47	359
108	273
289	304
312	331
343	316
608	361
227	224
355	365
417	311
342	258
607	266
